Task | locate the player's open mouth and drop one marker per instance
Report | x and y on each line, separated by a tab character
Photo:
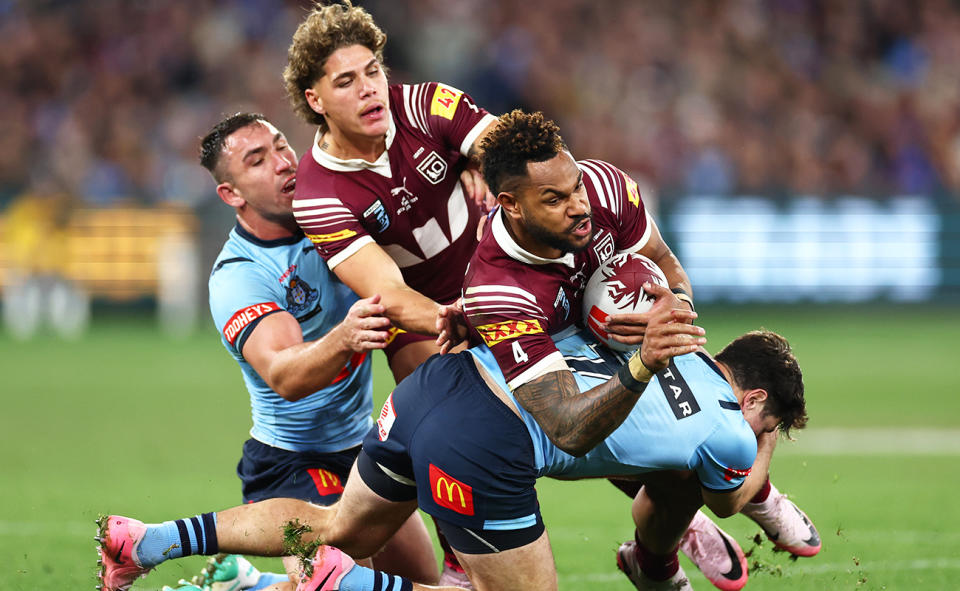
582	229
289	186
374	112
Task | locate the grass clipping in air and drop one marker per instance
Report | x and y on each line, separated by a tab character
293	545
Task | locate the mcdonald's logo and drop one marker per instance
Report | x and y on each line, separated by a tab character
326	481
449	492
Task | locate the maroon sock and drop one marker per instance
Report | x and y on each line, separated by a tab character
659	567
763	494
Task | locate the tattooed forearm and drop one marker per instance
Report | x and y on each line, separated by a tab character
576	421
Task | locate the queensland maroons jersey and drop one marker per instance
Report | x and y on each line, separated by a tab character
410	200
254	278
687	418
515	299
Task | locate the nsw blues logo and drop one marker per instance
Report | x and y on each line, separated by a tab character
300	296
376	215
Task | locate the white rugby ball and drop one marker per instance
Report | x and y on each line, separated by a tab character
616	287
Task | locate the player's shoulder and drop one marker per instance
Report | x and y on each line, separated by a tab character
413	104
607	185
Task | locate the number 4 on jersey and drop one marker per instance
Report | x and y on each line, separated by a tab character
519	355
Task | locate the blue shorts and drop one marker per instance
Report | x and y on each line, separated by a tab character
444	439
268	472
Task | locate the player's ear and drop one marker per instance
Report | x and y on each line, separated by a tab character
755	398
509	204
313	99
229	195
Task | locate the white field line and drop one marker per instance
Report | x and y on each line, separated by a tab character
792	570
873	442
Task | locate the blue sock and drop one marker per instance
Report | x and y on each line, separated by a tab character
174	539
267	579
361	578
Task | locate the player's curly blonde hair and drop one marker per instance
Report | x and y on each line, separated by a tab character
325	30
519	138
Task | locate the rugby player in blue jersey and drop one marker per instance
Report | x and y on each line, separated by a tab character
302	340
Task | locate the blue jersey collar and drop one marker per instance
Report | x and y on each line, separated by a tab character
243	233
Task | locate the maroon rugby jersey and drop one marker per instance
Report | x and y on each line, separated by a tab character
410	201
516	300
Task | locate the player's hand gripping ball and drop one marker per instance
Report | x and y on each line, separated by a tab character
616	287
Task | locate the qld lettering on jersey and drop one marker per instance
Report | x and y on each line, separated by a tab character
244	317
677	392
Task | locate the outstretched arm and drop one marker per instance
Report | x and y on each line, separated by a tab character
577	421
294	368
370	271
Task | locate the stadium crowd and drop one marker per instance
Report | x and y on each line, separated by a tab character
102	99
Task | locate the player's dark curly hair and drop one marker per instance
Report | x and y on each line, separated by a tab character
325	30
211	146
763	359
518	139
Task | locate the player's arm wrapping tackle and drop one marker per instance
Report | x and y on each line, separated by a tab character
577	421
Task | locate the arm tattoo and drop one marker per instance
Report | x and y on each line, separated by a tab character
576	421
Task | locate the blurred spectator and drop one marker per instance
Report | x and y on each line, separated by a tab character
708	96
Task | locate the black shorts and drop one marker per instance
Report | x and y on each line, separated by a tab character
268	472
444	439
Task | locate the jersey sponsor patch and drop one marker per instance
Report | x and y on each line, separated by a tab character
678	393
445	100
511	329
449	492
244	317
377	216
385	421
321	238
633	191
326	481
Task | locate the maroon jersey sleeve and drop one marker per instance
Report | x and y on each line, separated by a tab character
445	114
618	193
503	303
321	210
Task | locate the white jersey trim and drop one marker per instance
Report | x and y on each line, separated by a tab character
514	250
348	251
475	133
643	239
550	363
381	166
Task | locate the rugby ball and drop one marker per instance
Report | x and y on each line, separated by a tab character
616	287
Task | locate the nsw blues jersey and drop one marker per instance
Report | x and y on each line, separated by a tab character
254	278
687	419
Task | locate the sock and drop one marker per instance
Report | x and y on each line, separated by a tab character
658	567
361	578
267	579
175	539
763	494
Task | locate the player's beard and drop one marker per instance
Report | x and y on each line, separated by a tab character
283	218
560	240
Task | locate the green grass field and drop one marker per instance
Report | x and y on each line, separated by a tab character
128	421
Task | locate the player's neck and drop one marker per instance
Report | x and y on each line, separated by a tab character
265	229
349	147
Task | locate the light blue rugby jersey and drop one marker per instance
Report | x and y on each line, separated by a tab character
253	278
687	419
